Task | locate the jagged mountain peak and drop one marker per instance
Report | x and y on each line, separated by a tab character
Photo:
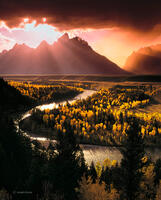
66	56
43	44
18	46
64	38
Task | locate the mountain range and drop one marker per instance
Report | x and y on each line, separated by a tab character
66	56
146	60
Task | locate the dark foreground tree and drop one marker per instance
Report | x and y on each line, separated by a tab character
21	163
15	155
92	172
68	164
131	164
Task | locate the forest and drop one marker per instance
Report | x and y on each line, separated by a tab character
110	117
102	118
42	93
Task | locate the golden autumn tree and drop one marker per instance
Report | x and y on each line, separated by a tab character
96	191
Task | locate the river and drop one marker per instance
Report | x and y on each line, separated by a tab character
93	153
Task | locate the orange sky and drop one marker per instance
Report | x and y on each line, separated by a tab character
115	43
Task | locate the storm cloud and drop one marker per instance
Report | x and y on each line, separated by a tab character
143	15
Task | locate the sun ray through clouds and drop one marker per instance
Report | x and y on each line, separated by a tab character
30	32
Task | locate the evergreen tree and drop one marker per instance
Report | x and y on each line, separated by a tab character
92	172
106	176
37	170
68	166
131	164
15	156
158	171
21	165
